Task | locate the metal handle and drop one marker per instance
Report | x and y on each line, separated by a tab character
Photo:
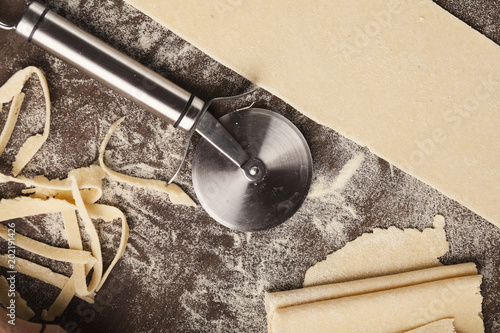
126	76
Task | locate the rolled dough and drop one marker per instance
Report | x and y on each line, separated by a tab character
391	285
440	326
284	299
394	310
416	85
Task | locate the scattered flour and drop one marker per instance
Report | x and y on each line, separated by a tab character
181	270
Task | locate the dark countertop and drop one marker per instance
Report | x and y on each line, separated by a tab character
182	271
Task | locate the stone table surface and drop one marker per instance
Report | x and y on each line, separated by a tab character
183	272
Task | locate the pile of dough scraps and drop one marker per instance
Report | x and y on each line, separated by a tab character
73	197
387	281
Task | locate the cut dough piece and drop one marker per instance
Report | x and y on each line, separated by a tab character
62	301
284	299
175	193
108	214
74	242
63	196
408	80
11	121
394	310
440	326
51	252
89	181
23	311
12	90
380	253
25	206
41	273
95	245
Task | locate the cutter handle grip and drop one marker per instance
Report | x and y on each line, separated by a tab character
126	76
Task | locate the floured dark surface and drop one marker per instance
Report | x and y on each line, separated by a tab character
182	271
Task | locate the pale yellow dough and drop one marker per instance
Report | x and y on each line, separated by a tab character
416	85
382	252
11	90
51	252
386	281
80	271
10	123
176	194
394	310
440	326
77	193
25	206
41	273
95	246
284	299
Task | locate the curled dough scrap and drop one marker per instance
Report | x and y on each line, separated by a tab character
89	181
176	194
51	252
41	273
108	214
95	245
80	271
11	91
77	193
10	123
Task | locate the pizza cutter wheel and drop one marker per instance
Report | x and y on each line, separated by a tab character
252	169
273	183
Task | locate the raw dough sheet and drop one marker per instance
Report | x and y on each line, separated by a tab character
407	79
381	253
394	310
414	296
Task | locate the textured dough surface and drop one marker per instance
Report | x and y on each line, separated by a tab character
284	299
25	206
380	253
395	283
394	310
416	85
440	326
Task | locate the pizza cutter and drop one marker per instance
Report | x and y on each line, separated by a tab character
252	168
